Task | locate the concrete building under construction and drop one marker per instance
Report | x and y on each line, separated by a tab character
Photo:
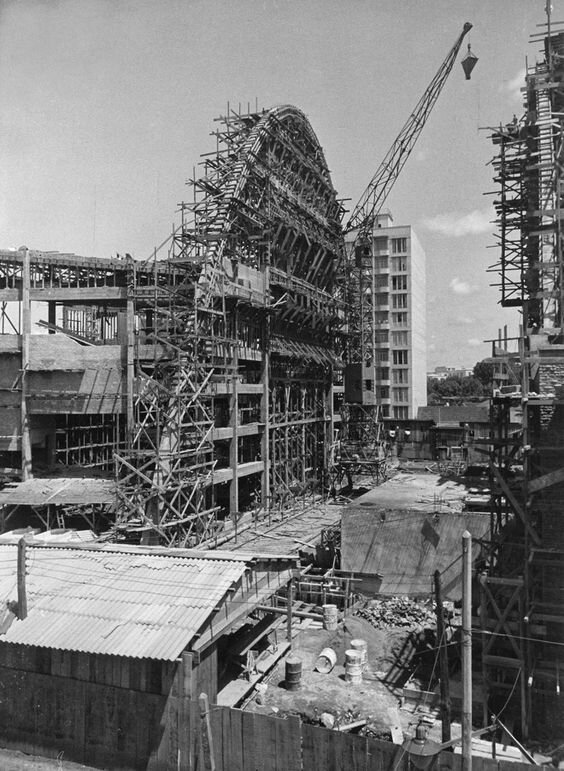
523	587
194	387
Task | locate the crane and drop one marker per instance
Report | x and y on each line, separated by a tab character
362	326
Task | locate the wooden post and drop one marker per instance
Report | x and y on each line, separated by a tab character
289	613
22	595
443	660
466	651
25	333
206	726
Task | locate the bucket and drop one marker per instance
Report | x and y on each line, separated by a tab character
362	647
330	617
293	673
326	661
353	667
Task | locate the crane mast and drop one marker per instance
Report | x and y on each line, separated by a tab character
361	291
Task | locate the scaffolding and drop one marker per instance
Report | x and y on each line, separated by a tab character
234	414
521	618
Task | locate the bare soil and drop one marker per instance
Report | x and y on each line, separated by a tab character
375	700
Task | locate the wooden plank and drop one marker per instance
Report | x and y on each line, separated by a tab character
236	740
288	744
252	753
216	721
353	752
226	738
316	749
546	480
335	741
384	756
266	742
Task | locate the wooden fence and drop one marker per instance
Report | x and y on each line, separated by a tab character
246	741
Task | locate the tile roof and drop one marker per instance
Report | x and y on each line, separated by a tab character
122	602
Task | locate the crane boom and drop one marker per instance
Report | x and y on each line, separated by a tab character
388	171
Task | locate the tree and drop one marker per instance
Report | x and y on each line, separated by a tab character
483	371
471	386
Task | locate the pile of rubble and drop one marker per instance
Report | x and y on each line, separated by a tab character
398	612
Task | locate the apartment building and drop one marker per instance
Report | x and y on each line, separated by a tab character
395	377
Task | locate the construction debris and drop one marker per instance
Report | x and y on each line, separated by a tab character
398	612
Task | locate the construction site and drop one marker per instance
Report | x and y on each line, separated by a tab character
227	539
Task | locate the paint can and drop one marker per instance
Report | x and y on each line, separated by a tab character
330	617
293	673
353	667
362	647
326	661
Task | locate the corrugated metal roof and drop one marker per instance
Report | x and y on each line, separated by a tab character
122	603
43	491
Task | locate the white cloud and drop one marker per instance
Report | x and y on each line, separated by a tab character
461	287
455	224
474	342
513	87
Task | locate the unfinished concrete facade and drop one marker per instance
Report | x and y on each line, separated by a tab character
521	605
201	380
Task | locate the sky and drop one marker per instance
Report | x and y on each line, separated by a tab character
108	104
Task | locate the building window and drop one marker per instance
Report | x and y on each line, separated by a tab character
385	410
381	263
399	301
401	413
381	246
381	336
399	264
400	339
399	319
399	357
399	245
400	394
382	282
383	373
384	392
382	317
383	299
399	283
400	376
382	355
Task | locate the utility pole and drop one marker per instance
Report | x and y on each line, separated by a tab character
25	330
22	594
466	651
443	660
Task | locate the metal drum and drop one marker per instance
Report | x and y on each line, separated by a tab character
293	673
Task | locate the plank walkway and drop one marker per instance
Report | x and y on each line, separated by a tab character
290	535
